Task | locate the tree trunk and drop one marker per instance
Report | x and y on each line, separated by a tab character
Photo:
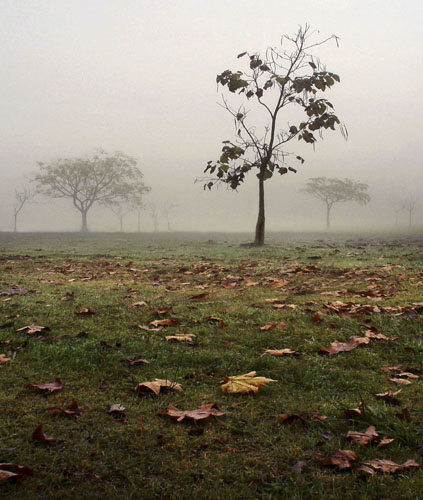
15	226
259	239
139	221
409	218
121	223
328	207
84	227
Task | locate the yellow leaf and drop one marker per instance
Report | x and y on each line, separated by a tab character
280	352
155	386
243	384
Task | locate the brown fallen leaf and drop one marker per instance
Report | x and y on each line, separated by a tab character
404	415
389	396
134	362
4	359
355	412
370	436
378	336
342	459
205	411
317	318
214	319
69	296
155	387
385	442
300	465
336	347
39	435
281	352
408	375
164	322
390	467
13	471
267	327
289	418
85	312
73	410
161	310
117	411
395	368
148	329
242	384
401	381
180	337
33	329
199	296
141	303
50	387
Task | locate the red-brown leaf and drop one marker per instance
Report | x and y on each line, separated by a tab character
205	411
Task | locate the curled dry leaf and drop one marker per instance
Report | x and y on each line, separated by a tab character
50	387
13	471
370	436
389	396
199	296
117	411
289	418
281	352
164	322
85	312
342	459
388	466
73	410
242	384
401	381
205	411
214	319
39	435
408	375
267	327
395	368
161	310
4	359
336	347
68	297
148	329
378	336
33	329
181	337
142	303
355	412
134	362
404	415
145	388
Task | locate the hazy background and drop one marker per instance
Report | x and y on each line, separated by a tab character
139	76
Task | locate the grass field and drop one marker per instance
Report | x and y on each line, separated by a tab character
251	452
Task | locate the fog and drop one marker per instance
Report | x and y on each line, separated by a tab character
140	76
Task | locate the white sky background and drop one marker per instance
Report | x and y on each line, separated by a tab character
139	76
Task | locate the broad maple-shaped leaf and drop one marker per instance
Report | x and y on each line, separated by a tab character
50	387
281	352
336	347
156	386
390	467
39	435
364	438
13	471
181	337
205	411
164	322
242	384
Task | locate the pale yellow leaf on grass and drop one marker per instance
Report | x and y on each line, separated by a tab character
242	384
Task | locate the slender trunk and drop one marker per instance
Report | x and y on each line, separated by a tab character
168	225
15	226
409	218
121	223
139	221
84	227
328	207
259	238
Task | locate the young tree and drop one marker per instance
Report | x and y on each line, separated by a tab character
127	201
332	191
168	209
409	204
154	214
101	178
288	77
21	198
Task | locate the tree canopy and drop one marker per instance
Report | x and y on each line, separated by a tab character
284	78
102	178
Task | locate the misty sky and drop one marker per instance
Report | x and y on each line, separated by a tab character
139	76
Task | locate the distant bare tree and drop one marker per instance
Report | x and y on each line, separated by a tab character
409	204
398	208
21	198
167	211
154	214
126	201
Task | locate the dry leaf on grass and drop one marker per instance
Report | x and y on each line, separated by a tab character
148	329
342	459
199	296
4	359
404	415
387	466
142	303
281	352
242	384
336	347
205	411
161	310
214	319
145	388
13	471
134	362
164	322
267	327
401	381
370	436
355	412
389	396
33	329
73	410
180	337
50	387
85	312
289	418
39	435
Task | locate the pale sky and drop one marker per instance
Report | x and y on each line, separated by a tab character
139	76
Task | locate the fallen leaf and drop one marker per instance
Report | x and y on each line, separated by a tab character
13	471
199	296
73	410
401	381
289	418
267	327
50	387
300	465
390	467
317	318
364	438
85	312
32	329
389	396
404	415
343	459
39	435
181	337
14	291
117	411
68	297
336	347
214	319
161	310
205	411
134	362
148	329
281	352
243	384
395	368
4	359
155	387
355	412
408	375
139	304
164	322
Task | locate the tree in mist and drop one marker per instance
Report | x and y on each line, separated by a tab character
409	204
21	198
331	191
101	178
167	210
126	201
154	214
286	77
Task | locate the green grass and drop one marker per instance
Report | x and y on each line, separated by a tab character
247	454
